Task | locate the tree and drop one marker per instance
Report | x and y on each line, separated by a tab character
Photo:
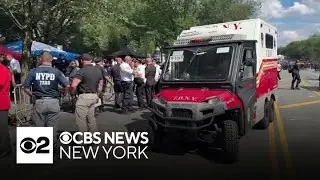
48	21
107	25
305	49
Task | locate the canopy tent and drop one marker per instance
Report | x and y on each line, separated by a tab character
127	52
37	48
4	51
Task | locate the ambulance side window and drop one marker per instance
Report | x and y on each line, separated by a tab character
247	70
269	41
262	40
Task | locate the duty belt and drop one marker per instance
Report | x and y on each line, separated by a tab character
88	93
46	98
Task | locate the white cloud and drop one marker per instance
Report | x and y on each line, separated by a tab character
307	13
295	31
274	8
289	36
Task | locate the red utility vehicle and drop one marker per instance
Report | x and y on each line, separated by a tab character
219	81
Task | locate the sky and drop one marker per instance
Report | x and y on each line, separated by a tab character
294	19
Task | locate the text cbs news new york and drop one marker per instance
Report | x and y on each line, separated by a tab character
37	145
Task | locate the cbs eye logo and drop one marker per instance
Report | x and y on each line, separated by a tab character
65	138
29	145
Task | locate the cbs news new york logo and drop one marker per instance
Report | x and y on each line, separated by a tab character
34	145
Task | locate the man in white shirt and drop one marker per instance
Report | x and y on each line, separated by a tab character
158	74
126	73
140	80
15	68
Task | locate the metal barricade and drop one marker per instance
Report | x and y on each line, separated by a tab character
21	107
109	92
65	97
68	101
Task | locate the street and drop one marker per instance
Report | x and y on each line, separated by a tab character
288	149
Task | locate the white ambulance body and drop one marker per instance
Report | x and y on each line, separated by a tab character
266	52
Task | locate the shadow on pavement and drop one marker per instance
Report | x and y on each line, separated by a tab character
170	146
282	88
110	108
313	79
66	107
310	88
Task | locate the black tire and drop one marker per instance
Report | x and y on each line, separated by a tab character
264	123
271	111
230	134
154	136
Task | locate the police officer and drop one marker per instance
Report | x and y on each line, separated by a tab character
295	76
45	92
89	82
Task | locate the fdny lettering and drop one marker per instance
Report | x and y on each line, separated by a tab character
185	98
45	78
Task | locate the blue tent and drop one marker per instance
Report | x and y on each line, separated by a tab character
37	48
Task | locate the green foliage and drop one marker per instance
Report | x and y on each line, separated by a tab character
305	49
107	25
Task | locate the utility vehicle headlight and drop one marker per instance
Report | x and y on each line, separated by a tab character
162	100
213	101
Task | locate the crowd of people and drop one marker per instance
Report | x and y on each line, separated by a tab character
85	79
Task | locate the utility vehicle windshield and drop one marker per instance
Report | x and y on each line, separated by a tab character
199	63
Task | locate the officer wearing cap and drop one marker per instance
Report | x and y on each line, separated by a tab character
89	82
45	81
100	65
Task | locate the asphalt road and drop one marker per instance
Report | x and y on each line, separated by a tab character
288	149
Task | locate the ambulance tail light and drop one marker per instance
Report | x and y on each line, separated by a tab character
201	40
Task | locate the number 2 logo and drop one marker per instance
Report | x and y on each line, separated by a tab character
29	145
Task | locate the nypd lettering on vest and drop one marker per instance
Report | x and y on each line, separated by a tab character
45	78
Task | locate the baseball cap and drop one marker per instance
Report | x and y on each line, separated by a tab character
86	57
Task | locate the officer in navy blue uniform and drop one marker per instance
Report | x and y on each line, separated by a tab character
44	81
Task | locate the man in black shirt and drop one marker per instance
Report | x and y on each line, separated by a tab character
100	65
118	90
151	71
89	83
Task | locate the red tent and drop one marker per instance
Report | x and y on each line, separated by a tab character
4	50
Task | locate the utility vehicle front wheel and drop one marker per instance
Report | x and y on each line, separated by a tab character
154	136
230	134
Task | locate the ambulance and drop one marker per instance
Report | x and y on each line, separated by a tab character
218	81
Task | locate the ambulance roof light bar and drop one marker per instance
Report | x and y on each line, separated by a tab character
211	39
204	32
